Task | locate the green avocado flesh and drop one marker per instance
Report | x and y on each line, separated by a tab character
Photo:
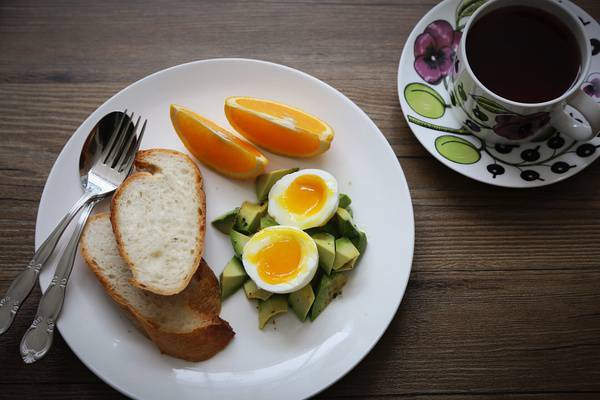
232	278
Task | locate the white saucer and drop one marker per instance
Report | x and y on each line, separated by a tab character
425	106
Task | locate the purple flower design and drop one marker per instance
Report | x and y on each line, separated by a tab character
517	127
592	86
434	51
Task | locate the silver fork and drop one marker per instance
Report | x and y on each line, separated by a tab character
99	180
106	174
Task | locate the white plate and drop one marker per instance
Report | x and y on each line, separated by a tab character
555	158
286	360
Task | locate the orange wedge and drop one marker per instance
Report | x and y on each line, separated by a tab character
277	127
215	146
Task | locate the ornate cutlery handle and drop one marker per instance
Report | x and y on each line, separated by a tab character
38	339
25	281
17	292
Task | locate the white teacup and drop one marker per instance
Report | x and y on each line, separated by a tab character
574	113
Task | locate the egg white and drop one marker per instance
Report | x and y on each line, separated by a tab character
309	258
284	217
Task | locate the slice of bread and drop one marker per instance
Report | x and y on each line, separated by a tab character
159	219
185	325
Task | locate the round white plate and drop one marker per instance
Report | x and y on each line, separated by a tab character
288	359
547	161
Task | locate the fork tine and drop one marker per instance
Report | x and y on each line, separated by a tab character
113	137
118	147
127	145
134	149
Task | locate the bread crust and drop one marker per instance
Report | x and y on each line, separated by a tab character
145	169
203	298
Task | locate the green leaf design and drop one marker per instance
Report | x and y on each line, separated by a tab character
424	100
461	92
466	8
457	149
435	127
491	105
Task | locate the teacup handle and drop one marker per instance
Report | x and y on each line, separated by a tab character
566	123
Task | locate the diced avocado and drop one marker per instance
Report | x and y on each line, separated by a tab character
345	254
224	223
329	287
265	182
238	241
345	200
326	246
254	292
249	216
232	278
345	224
301	301
330	227
360	242
276	304
314	282
267	221
350	211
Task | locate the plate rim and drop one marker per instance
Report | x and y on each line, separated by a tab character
410	222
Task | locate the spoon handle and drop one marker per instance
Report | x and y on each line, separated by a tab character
25	281
38	339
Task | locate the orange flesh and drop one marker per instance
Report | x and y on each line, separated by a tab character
305	196
214	145
279	261
301	120
271	136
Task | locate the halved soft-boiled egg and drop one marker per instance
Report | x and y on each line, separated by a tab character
281	259
304	199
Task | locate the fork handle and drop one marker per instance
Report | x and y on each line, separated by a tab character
25	281
38	339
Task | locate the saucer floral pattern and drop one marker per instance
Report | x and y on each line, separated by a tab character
434	50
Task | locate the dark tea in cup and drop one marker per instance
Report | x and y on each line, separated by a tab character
523	54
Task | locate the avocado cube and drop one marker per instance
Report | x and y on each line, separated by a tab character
238	241
330	227
345	223
254	292
267	221
274	305
345	254
224	223
329	287
301	301
360	242
249	216
345	201
326	246
232	278
265	182
314	282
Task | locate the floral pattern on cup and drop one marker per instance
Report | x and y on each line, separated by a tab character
515	127
434	51
592	85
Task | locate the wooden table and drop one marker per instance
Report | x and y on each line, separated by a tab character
504	296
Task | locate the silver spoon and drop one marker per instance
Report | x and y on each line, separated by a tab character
108	171
104	140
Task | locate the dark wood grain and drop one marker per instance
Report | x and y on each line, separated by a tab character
504	298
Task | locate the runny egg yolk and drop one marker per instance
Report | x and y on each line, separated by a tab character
305	195
279	261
